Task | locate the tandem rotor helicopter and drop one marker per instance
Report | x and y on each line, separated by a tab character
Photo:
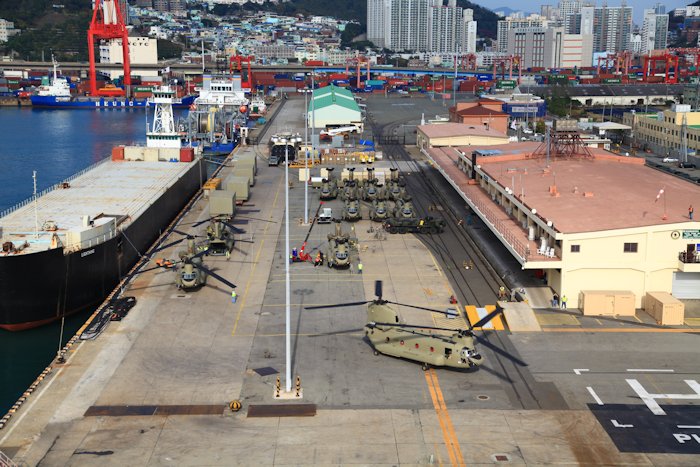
389	335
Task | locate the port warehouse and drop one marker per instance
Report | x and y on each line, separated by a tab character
582	224
331	106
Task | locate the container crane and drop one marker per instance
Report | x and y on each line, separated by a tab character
108	23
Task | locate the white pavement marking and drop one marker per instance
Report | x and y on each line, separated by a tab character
650	399
594	395
648	370
482	312
616	424
578	371
689	427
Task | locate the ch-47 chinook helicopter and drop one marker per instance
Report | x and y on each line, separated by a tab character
191	272
389	335
338	249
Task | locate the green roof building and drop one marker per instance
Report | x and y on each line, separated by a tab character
333	106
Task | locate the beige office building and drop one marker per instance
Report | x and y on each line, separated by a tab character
665	128
586	224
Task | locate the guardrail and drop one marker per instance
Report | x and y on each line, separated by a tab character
51	188
689	257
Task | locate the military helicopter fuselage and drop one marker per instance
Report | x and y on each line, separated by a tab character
389	335
351	211
220	239
379	211
189	274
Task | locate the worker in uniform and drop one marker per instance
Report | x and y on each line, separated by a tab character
234	296
501	293
359	268
317	261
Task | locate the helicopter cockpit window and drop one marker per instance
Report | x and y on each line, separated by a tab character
188	276
341	255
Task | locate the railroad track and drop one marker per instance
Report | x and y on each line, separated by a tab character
478	284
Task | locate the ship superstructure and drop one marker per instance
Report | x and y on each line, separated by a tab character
216	116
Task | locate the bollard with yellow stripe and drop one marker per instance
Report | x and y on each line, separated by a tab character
475	314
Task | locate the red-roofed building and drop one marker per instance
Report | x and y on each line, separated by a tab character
484	112
597	223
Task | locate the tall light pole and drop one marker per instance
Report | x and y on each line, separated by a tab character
288	358
306	159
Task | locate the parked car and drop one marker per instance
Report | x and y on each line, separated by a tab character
670	159
686	165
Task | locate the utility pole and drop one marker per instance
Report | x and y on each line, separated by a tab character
288	357
306	158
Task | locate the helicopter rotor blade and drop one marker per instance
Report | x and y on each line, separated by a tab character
487	318
337	305
216	276
446	313
499	351
415	326
200	254
378	286
197	224
181	233
233	227
167	245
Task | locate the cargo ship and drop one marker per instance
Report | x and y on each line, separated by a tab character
64	251
57	95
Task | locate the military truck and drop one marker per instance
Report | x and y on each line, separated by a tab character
428	225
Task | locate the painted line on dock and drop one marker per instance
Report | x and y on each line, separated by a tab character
594	395
448	430
244	298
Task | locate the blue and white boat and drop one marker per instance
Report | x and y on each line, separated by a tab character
57	95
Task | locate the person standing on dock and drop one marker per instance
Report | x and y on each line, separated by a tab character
234	296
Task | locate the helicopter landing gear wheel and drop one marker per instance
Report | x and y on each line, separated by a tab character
425	367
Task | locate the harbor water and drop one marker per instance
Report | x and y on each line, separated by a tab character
56	144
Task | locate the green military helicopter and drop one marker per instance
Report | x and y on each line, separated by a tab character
351	210
329	187
404	209
379	210
428	345
190	271
338	249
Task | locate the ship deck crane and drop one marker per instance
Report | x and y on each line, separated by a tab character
108	23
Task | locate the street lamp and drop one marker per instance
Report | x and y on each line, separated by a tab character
287	307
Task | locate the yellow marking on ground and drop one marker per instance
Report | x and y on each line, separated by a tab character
474	317
428	291
448	430
255	264
672	330
557	320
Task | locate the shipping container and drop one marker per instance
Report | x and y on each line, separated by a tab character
664	308
607	302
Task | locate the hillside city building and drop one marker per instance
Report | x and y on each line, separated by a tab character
421	26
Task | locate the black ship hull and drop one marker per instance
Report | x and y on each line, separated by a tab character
41	287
